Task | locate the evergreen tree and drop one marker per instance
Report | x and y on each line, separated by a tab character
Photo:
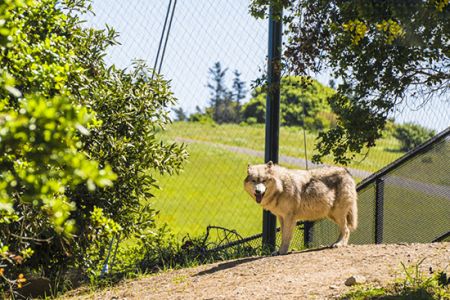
225	104
239	92
217	88
180	114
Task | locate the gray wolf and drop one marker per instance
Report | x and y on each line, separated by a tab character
294	195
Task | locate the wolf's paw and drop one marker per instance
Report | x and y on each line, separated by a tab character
279	252
338	245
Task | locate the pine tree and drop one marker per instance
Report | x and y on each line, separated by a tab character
180	114
239	92
218	89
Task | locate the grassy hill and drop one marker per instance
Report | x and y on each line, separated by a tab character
291	142
210	189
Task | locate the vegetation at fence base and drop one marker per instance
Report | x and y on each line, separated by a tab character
41	161
200	250
382	53
414	285
148	254
78	141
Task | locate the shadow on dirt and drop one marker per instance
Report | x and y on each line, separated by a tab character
322	248
228	265
232	264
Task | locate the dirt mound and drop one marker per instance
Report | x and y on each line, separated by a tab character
310	274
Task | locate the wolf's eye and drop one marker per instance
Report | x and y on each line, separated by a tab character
254	180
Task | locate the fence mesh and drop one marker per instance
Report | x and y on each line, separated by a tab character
417	197
325	232
210	190
416	202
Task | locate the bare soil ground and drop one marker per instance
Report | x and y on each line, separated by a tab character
310	274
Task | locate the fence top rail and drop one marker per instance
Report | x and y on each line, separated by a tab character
400	161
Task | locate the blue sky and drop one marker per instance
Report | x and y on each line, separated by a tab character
204	32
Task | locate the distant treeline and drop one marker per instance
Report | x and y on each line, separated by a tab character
304	103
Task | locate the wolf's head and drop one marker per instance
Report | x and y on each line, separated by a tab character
260	180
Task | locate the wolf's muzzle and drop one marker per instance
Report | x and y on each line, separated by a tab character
259	195
260	189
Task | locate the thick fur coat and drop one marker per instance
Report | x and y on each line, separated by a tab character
294	195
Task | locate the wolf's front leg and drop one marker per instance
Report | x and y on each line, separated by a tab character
287	230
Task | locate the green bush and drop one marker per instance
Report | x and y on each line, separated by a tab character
251	120
412	135
202	118
300	105
40	159
78	123
255	109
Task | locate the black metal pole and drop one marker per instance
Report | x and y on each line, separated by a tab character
308	233
379	204
272	114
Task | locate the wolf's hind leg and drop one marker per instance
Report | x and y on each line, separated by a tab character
287	230
344	234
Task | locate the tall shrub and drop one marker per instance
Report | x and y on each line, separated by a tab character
51	56
41	158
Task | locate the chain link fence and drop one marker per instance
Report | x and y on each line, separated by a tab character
408	201
213	39
209	191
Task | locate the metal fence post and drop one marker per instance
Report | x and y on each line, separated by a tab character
272	113
379	204
308	233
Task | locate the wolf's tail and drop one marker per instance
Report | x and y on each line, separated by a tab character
352	217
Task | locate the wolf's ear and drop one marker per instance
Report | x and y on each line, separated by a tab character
269	164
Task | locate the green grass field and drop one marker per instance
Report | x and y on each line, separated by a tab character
432	167
208	192
291	142
210	189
